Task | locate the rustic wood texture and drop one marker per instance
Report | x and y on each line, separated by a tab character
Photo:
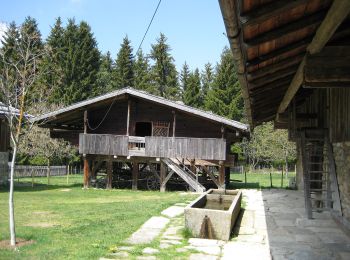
199	148
332	64
103	144
4	136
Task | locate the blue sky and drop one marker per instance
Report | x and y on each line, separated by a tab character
194	28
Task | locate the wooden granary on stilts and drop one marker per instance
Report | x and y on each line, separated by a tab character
138	137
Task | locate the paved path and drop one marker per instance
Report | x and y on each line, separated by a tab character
272	226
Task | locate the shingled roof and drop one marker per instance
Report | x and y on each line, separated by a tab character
46	118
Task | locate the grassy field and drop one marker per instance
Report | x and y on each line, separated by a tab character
67	222
259	180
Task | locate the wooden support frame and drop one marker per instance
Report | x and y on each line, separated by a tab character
162	177
135	174
109	173
174	123
221	175
128	118
335	16
211	176
86	173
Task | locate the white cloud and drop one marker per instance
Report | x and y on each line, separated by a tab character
3	29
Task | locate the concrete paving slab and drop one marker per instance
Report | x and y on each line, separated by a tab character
173	211
202	257
241	250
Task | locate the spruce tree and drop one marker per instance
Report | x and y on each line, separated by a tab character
124	65
164	71
9	49
207	77
192	94
143	80
81	63
53	63
104	82
184	75
225	96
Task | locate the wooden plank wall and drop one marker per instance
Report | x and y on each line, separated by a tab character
103	144
339	115
198	148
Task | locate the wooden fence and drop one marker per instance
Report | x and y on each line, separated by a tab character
22	171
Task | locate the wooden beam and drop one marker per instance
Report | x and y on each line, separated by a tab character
109	173
272	77
162	177
135	174
267	11
331	65
211	175
128	118
174	123
313	85
270	69
86	173
85	121
335	16
221	175
273	86
281	51
308	21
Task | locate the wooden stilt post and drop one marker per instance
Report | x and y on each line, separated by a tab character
86	161
109	173
162	177
221	175
135	173
86	172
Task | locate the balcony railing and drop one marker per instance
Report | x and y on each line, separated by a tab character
153	146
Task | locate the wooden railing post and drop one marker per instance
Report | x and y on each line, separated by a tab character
162	177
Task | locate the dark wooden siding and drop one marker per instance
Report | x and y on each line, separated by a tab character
4	136
339	114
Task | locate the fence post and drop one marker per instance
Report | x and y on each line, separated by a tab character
32	178
67	174
245	177
270	179
282	178
48	172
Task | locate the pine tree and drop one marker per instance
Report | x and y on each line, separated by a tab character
192	94
53	63
225	96
207	77
81	63
124	65
104	82
143	80
184	75
9	49
164	71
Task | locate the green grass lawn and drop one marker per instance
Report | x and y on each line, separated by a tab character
259	180
67	222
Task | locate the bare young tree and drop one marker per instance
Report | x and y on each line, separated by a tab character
18	75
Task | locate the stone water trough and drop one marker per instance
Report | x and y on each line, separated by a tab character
213	214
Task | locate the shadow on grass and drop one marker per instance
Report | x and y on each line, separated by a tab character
27	187
242	185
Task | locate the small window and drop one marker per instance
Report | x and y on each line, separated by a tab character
161	128
143	129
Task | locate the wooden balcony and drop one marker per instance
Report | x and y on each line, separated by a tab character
153	146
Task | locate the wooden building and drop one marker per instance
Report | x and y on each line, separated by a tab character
4	144
136	130
293	60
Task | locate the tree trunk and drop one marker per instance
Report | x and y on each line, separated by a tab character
11	204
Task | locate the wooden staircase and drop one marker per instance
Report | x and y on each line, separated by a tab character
320	183
185	174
